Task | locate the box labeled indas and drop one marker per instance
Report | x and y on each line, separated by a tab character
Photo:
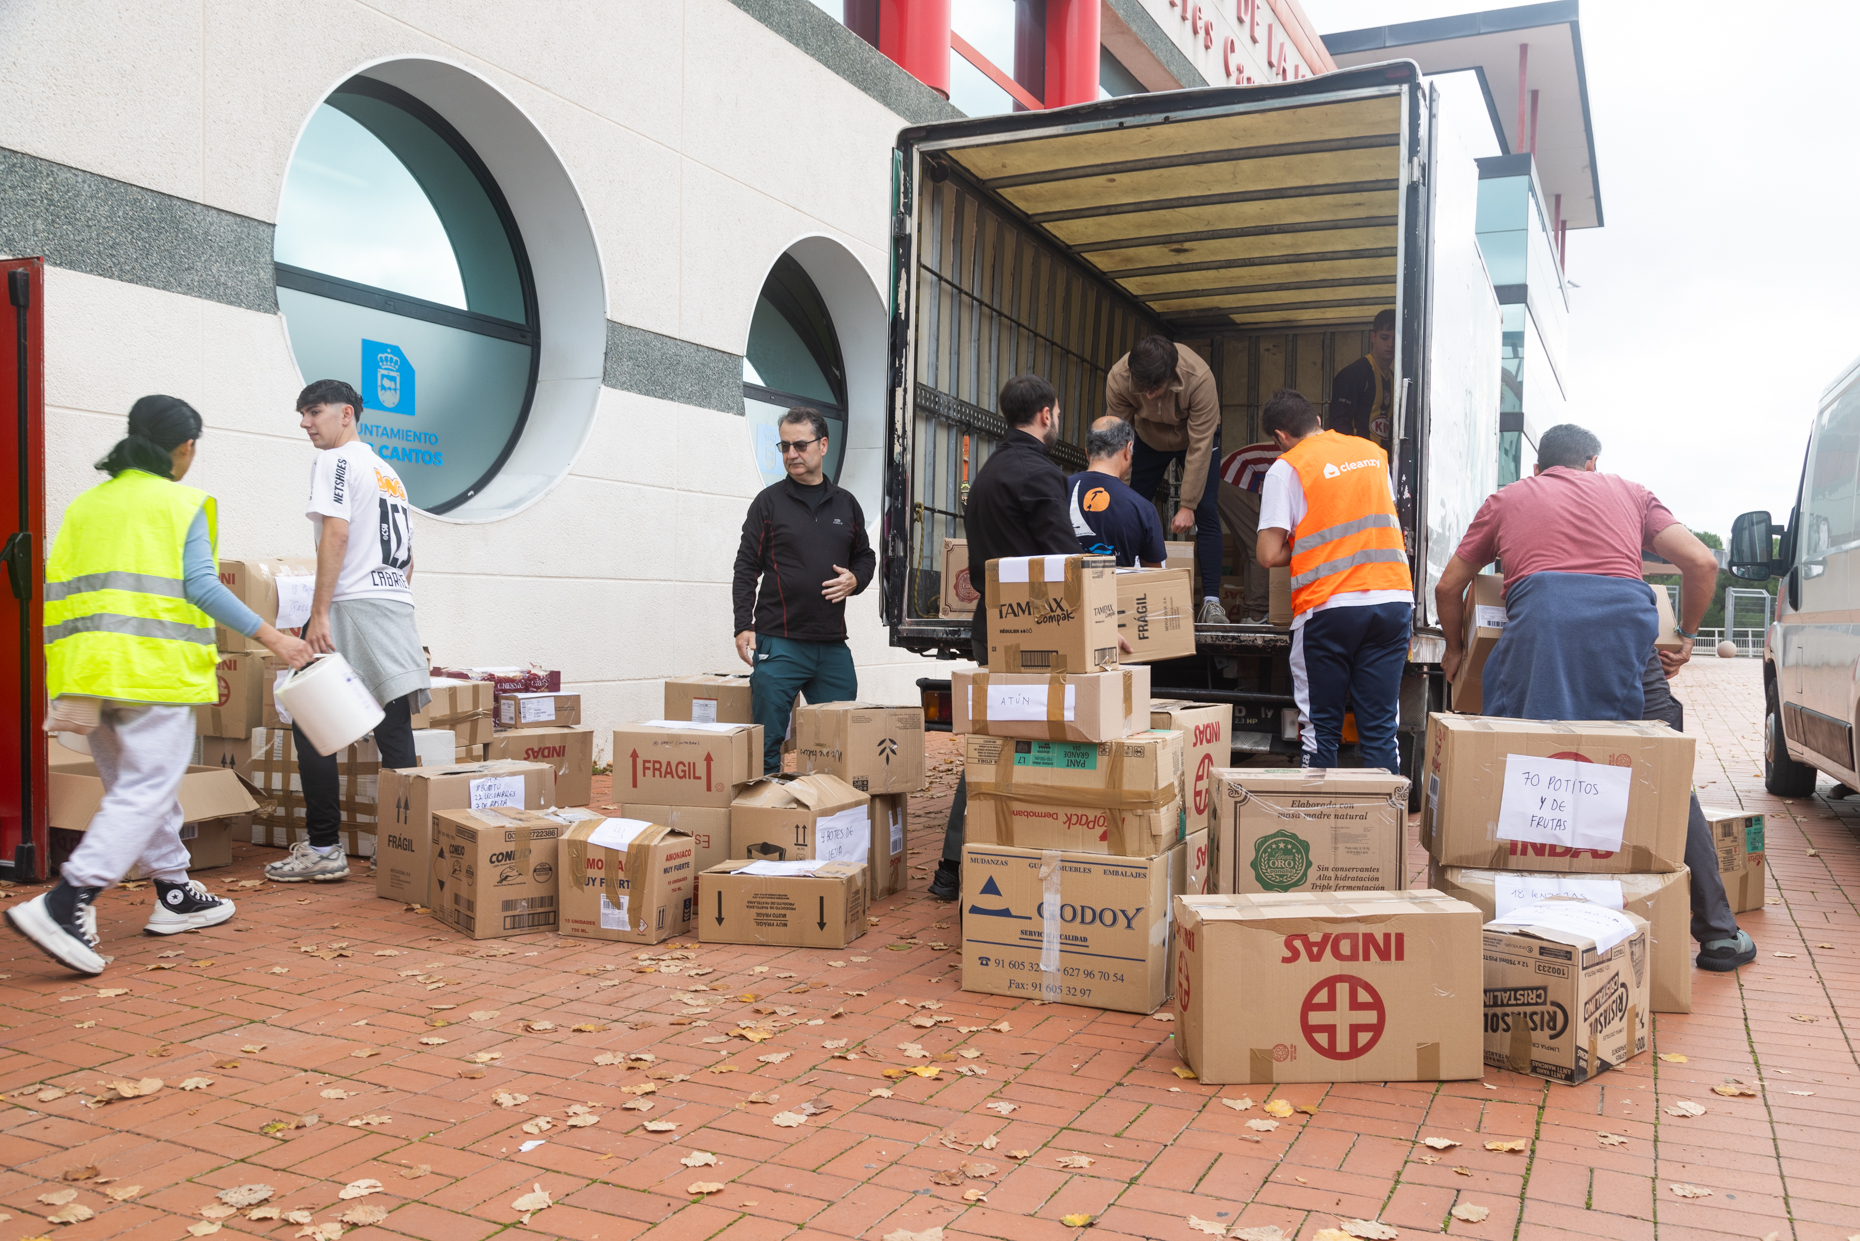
627	880
1296	829
494	871
1328	987
1052	613
683	762
569	750
1054	706
1565	989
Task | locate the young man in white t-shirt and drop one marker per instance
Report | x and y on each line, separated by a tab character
363	608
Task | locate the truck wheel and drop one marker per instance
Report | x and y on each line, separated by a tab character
1782	775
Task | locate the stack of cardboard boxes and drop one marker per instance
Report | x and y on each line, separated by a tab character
545	728
279	591
683	774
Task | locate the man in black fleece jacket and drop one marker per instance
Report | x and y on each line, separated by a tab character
804	541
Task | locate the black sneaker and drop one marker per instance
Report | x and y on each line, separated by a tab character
1725	955
947	885
186	907
63	925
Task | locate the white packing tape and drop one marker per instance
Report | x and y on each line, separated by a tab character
1049	921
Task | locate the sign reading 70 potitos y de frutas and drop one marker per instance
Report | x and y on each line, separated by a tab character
1564	801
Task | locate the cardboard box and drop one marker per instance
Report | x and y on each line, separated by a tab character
231	753
259	584
1665	901
463	706
801	818
708	827
1078	928
1309	829
875	749
1328	987
959	593
1738	838
1558	1004
1506	794
1196	876
1052	614
569	750
1057	706
1118	796
507	679
538	710
215	804
1485	623
884	864
471	753
627	880
684	763
1156	614
494	871
1207	746
712	698
782	904
414	795
1179	555
1279	597
240	678
1668	639
280	821
209	843
273	672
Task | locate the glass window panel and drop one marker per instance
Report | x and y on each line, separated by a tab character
1831	476
988	25
764	421
781	359
974	92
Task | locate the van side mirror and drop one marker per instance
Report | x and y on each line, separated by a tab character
1753	549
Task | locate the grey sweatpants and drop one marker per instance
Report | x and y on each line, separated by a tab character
1711	908
141	753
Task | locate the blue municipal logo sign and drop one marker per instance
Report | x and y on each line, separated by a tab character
387	378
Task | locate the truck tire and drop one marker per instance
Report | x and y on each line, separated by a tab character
1782	775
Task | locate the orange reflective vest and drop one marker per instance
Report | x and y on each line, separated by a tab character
1350	538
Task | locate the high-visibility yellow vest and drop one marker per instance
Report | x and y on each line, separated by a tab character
1350	537
117	620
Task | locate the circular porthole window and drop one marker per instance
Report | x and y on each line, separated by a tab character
793	360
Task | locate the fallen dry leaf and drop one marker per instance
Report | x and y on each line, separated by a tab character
1690	1191
542	1124
1467	1213
1735	1090
417	1171
204	1228
788	1120
362	1053
504	1098
1278	1107
58	1197
977	1171
76	1213
1187	1075
252	1049
928	1234
1803	1018
1262	1126
704	1187
1672	1057
535	1200
1003	1107
1075	1221
1516	1144
123	1193
358	1122
1611	1139
582	1121
699	1159
360	1189
245	1195
946	1176
1685	1107
1370	1229
1211	1227
1439	1144
334	1092
1263	1232
661	1126
363	1213
1075	1161
1243	1104
88	1172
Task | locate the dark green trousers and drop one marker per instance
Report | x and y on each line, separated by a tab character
784	667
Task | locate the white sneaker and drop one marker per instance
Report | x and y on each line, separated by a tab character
306	864
69	938
186	907
1212	613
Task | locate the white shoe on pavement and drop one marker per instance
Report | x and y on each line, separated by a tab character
186	907
63	925
305	864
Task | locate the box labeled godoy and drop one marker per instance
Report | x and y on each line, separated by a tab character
787	904
626	880
683	762
1119	796
411	797
1072	928
1327	987
1505	794
873	748
801	818
569	750
1738	838
1053	706
1156	614
1565	989
1207	746
709	698
1308	829
494	871
1052	613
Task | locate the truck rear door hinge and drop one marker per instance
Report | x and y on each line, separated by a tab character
1417	170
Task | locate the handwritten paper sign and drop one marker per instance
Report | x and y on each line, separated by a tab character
1023	702
296	592
1563	801
1511	891
489	791
844	837
1607	927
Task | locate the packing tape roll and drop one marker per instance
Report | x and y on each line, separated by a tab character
1049	920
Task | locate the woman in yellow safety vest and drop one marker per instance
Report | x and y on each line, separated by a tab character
132	593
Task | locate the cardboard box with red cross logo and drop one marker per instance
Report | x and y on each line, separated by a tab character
1207	746
1328	987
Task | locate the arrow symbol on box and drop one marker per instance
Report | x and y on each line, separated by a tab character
719	906
707	784
636	769
823	913
888	749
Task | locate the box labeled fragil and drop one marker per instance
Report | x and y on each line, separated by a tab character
1312	829
1055	706
710	698
1071	928
801	818
494	871
1738	839
626	880
875	749
239	679
412	796
784	904
1608	797
232	753
1156	613
280	590
569	750
1207	746
1565	989
1327	987
959	593
891	823
1485	624
1052	613
684	762
538	710
463	706
707	826
1119	796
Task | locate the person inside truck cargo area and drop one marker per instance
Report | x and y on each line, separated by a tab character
1570	539
1243	477
362	610
1360	393
1167	394
1107	516
804	541
132	590
1327	509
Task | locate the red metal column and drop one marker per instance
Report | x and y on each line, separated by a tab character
23	841
915	34
1071	52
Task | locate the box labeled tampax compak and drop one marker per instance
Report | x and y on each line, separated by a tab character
1565	989
1052	613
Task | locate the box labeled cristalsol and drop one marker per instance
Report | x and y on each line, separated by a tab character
1119	796
538	710
1738	839
683	762
411	797
1312	829
891	821
1327	987
1052	613
1505	794
1207	746
1485	624
709	698
1156	613
1051	706
1071	928
801	818
873	748
239	679
462	706
959	593
280	590
626	880
785	904
1565	989
569	750
494	871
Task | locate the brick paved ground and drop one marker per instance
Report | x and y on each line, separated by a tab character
279	1032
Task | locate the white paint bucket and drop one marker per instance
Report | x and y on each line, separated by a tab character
330	703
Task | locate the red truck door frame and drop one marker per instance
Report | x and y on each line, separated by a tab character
23	779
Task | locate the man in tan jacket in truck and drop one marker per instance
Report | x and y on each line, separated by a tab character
1168	395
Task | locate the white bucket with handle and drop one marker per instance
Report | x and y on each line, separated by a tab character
329	702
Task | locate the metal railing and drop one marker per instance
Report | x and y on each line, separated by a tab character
1749	641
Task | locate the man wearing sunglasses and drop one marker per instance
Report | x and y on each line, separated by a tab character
804	550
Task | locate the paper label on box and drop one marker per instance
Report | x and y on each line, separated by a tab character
1564	801
539	709
1015	568
897	832
698	725
1063	755
613	917
489	791
295	594
1607	927
1753	834
844	837
703	710
617	833
1485	616
1023	702
780	870
1513	891
277	683
506	712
